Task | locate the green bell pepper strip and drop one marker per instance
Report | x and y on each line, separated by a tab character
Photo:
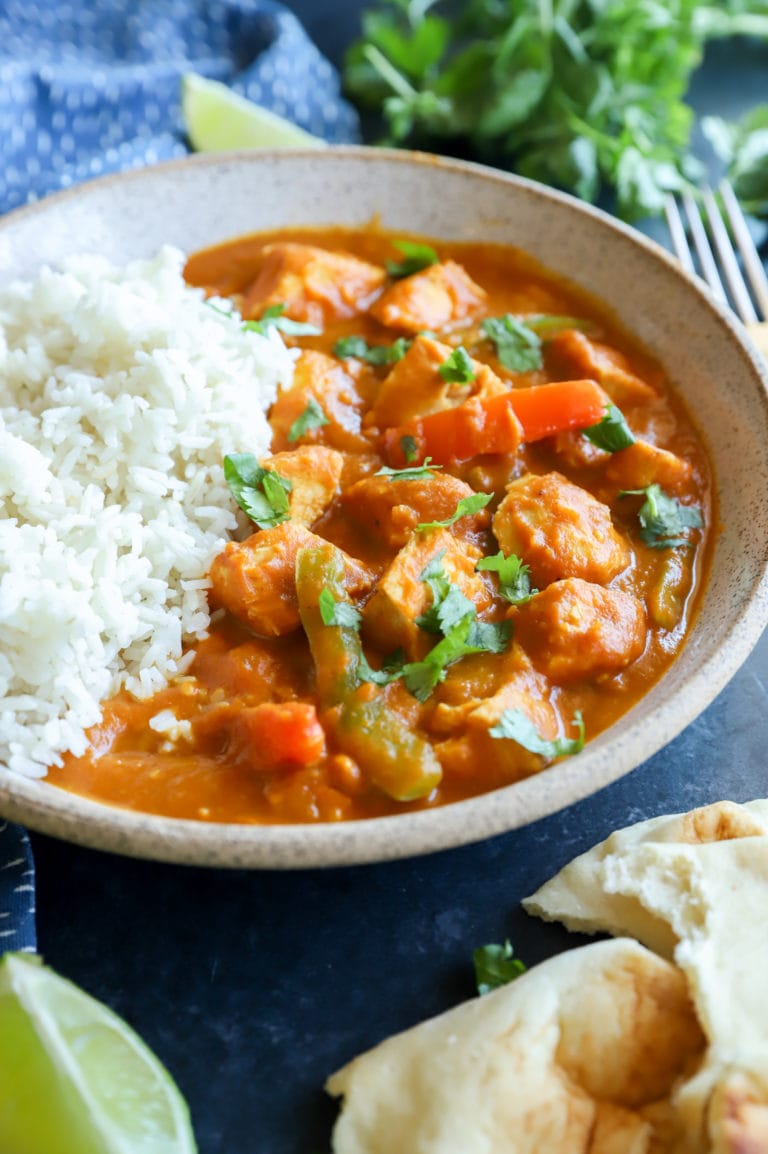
397	761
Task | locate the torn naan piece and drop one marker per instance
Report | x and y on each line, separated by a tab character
580	1055
583	897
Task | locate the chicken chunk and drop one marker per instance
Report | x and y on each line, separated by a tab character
471	704
559	530
644	464
315	285
315	473
331	385
389	618
475	695
255	579
574	629
576	355
415	388
391	508
432	299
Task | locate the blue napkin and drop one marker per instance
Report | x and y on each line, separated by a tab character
92	88
17	890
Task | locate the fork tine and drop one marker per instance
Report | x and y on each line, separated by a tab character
728	262
703	249
677	233
749	254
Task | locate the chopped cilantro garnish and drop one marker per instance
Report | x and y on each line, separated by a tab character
467	636
313	417
517	726
372	354
346	616
410	448
465	508
412	473
518	347
452	614
449	605
458	367
272	318
496	965
490	636
663	520
390	669
417	257
437	581
612	433
514	580
261	493
335	612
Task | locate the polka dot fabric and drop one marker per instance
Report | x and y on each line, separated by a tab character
91	88
17	890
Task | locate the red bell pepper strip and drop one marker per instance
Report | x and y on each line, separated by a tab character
497	424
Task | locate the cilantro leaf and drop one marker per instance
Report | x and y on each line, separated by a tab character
454	616
490	636
383	676
372	354
422	677
409	447
458	367
513	574
411	473
663	520
416	258
612	433
449	604
335	612
495	966
313	417
465	637
465	508
346	616
517	346
261	493
272	318
517	726
446	611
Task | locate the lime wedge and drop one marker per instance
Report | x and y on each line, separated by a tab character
74	1078
216	119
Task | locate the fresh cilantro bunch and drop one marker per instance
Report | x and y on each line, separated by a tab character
579	94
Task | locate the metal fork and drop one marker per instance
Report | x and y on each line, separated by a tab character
701	238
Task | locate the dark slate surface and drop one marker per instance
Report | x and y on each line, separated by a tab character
253	987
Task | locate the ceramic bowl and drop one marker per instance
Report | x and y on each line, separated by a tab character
202	200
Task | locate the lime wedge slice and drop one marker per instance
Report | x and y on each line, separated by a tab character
74	1078
216	119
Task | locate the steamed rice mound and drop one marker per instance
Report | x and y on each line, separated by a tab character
121	390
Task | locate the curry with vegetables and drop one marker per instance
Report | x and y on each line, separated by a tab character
478	539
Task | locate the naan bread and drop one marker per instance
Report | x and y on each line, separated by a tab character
584	897
578	1056
693	887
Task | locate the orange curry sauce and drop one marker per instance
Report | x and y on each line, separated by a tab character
275	730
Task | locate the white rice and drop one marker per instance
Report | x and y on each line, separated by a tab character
121	390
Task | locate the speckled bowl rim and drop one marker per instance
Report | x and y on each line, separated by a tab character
641	733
